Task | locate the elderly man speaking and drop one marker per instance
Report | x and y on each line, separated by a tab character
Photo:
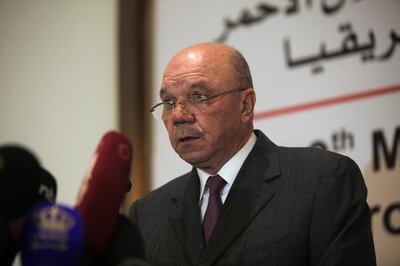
246	201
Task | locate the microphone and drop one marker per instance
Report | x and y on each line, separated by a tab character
23	182
7	250
19	174
47	187
52	235
103	189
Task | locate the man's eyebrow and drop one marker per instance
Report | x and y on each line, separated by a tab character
191	86
162	92
198	85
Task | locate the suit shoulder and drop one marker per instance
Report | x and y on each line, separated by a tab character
315	158
311	153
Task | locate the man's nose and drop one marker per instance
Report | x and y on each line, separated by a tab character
180	103
180	114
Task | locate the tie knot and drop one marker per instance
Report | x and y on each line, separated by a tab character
215	184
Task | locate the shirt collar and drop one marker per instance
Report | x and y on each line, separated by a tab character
231	168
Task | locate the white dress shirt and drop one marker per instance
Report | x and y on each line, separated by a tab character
228	172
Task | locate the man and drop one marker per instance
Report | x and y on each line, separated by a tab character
281	206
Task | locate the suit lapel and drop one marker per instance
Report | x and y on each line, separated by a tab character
185	218
249	194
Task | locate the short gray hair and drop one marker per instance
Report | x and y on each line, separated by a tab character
242	70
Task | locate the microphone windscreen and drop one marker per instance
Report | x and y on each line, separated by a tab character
5	240
52	235
103	189
47	189
23	182
19	176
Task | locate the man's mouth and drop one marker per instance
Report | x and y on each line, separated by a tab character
184	134
187	139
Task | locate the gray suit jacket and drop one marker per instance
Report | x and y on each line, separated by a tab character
287	206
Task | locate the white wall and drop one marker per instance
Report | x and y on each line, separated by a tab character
58	85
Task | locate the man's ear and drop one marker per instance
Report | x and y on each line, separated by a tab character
248	101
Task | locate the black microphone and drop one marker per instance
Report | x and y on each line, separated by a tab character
8	247
47	187
19	176
23	182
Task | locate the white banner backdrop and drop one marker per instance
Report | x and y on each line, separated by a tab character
326	74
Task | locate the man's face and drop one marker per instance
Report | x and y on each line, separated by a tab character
209	138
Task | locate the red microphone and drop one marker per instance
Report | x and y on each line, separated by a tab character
103	189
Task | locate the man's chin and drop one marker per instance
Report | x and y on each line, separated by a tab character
192	158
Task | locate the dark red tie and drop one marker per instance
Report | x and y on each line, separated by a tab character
214	184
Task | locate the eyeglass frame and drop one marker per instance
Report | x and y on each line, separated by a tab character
207	98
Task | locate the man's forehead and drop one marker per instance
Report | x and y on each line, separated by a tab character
184	59
184	86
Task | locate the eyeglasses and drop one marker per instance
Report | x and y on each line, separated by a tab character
196	103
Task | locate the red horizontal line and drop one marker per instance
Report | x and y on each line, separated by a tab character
325	102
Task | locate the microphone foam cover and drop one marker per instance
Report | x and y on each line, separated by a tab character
23	182
103	189
47	187
52	235
19	176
